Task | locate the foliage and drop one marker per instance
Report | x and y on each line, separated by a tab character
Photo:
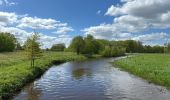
58	47
110	51
91	45
154	49
107	52
77	44
33	48
7	42
137	47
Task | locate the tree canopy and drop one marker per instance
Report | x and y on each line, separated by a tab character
77	44
7	42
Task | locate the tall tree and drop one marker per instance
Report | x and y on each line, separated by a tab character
33	48
90	45
7	42
77	44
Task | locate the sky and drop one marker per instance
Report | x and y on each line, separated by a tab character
58	21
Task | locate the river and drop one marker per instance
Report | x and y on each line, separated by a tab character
90	80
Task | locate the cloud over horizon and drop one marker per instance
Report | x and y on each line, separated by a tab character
18	25
134	16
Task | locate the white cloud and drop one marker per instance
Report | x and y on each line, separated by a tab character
7	18
7	3
102	31
107	31
45	40
134	16
8	21
20	34
111	32
141	8
64	30
155	12
151	37
114	11
48	41
39	23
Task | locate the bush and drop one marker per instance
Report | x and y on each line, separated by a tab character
58	47
113	51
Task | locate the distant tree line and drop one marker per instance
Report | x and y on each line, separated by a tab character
86	45
89	46
133	46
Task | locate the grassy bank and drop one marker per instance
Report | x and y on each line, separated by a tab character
15	70
152	67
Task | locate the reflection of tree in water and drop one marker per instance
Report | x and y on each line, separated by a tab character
79	73
33	93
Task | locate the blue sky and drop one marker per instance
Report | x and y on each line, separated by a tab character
60	20
77	13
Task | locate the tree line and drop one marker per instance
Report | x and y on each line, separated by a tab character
89	45
83	45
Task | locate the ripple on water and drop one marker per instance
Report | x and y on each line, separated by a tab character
91	80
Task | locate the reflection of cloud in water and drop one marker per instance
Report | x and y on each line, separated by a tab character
96	78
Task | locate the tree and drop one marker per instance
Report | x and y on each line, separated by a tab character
33	48
107	51
7	42
91	45
77	44
58	47
113	51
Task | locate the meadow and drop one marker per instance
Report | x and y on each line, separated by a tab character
15	70
153	67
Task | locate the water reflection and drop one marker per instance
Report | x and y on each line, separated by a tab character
33	93
78	74
90	80
30	93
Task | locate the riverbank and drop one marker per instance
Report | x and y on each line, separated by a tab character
15	70
153	67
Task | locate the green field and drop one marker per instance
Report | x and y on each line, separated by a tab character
15	70
152	67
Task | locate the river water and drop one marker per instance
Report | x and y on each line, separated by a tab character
91	80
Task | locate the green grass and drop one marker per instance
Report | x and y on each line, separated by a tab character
152	67
15	70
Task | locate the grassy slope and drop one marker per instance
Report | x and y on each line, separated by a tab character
15	70
152	67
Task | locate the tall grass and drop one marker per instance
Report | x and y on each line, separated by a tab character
15	70
152	67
